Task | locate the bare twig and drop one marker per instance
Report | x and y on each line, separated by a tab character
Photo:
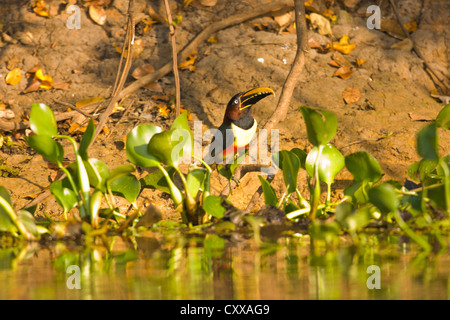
436	78
120	81
289	85
200	38
174	59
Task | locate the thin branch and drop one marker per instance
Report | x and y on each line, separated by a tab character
120	81
199	39
174	58
289	85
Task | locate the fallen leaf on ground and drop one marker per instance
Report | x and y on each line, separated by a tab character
359	62
320	23
416	117
189	63
13	77
40	9
343	72
341	60
313	44
143	70
284	19
344	46
97	14
46	80
208	3
61	85
330	15
34	85
163	110
351	95
87	101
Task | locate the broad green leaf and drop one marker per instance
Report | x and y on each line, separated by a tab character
137	145
356	192
321	125
331	161
170	146
427	144
213	206
157	180
121	171
28	222
384	197
127	187
50	149
301	154
98	173
194	180
64	195
443	118
290	164
86	140
358	219
6	224
270	197
420	170
181	122
364	167
42	120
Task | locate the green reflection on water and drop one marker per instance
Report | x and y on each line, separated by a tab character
210	267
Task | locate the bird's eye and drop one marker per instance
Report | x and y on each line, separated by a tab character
236	101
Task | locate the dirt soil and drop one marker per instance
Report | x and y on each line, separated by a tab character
395	100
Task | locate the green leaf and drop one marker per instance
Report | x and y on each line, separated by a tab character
121	171
127	186
331	161
427	145
356	192
290	164
86	140
28	222
181	122
137	144
157	180
47	147
301	154
63	193
194	180
270	197
213	206
443	118
98	173
6	224
420	170
42	120
167	146
321	125
384	197
364	167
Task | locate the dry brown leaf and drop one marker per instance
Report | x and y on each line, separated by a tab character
405	44
61	85
359	62
343	72
12	63
410	26
416	117
87	101
189	63
40	9
154	86
143	70
334	64
284	19
97	14
13	77
351	95
320	23
313	44
344	46
341	60
330	15
34	85
46	80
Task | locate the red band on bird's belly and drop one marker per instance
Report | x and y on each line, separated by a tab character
231	150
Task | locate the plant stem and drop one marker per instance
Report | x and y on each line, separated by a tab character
316	192
13	216
417	238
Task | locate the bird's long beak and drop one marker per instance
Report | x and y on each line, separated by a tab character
252	96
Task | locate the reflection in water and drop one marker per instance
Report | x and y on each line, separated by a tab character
209	267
